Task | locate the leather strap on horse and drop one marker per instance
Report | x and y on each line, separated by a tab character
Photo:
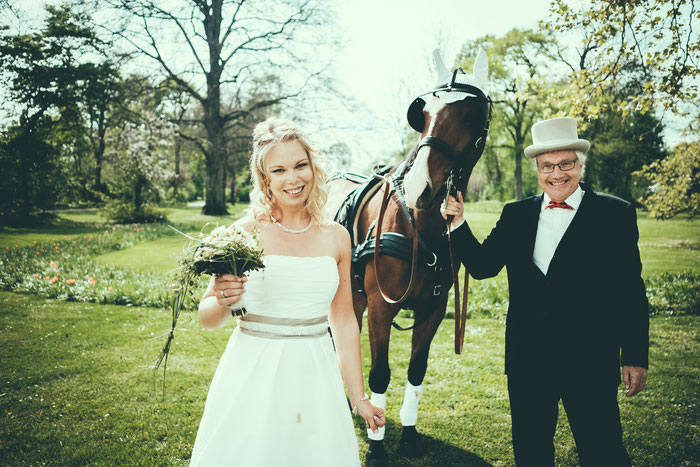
460	312
414	255
459	332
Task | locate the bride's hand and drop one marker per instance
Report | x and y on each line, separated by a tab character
228	288
373	415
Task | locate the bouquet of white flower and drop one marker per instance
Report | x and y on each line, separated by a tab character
225	250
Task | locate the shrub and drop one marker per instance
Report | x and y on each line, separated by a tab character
64	269
674	294
124	212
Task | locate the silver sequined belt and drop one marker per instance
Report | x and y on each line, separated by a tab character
283	328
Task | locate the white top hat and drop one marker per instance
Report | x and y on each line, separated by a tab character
555	134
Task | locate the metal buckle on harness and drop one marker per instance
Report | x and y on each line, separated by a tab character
436	290
359	280
434	260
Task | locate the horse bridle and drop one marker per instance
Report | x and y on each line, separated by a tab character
444	148
454	86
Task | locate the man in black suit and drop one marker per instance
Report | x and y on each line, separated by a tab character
578	307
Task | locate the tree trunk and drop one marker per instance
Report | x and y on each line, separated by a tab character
519	147
138	193
99	152
232	196
25	208
520	132
28	139
518	173
215	202
176	181
215	196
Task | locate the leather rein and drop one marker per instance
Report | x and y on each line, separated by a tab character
460	311
447	151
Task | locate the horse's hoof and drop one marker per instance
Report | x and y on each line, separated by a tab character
410	443
376	455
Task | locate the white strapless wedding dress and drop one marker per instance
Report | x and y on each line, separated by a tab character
277	397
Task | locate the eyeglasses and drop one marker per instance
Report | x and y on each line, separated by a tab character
563	166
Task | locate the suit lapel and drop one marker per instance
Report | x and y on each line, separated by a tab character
531	218
576	232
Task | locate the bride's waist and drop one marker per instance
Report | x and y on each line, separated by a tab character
282	327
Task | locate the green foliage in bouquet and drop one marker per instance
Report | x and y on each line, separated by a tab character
225	250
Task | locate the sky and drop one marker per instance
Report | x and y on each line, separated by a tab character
387	59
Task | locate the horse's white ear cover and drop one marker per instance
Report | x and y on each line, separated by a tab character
443	73
481	71
478	78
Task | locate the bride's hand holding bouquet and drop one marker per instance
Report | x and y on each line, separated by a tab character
228	290
227	253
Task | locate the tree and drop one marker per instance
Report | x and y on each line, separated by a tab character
674	183
652	44
102	103
30	170
140	156
519	65
46	72
621	146
221	46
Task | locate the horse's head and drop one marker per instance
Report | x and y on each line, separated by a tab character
453	121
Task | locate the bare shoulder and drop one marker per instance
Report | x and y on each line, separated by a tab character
340	234
340	239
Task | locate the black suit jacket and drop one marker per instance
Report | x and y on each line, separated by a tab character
590	310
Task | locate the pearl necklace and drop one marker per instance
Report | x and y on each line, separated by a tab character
293	231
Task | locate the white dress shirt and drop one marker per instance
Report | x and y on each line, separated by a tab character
551	228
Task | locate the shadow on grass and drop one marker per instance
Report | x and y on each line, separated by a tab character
436	452
47	220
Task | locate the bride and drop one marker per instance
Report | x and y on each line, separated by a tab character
277	396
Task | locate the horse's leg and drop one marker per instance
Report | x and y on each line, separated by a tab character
359	304
409	445
379	323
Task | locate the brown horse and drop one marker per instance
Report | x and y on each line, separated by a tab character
453	121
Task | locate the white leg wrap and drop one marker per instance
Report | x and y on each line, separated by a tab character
380	401
409	408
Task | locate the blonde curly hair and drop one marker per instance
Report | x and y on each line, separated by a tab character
266	135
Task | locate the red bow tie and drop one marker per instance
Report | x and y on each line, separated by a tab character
554	204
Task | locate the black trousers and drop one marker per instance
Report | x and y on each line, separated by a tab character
593	413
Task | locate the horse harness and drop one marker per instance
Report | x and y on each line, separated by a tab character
415	250
397	245
460	311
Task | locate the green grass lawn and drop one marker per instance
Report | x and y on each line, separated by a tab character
665	246
17	237
73	222
158	256
77	390
175	215
161	256
671	245
192	216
